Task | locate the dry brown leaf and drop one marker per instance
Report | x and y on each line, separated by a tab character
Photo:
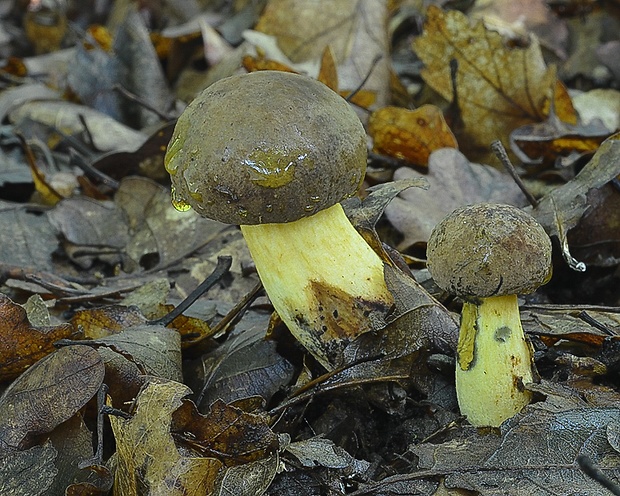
48	394
147	433
22	343
410	134
261	63
105	321
454	181
498	88
328	73
353	29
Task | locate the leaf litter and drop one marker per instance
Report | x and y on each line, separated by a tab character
94	256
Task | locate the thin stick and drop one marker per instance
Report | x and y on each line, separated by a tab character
223	266
500	153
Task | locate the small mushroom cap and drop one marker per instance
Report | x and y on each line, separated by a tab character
266	147
487	250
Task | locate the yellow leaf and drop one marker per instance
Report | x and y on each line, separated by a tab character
147	459
498	88
410	134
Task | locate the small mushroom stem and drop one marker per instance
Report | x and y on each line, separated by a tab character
323	279
494	361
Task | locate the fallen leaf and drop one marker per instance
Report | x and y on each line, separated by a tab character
107	320
599	104
48	394
32	237
28	473
561	210
156	350
245	365
570	325
498	88
519	463
23	344
353	29
552	139
518	20
410	134
147	432
108	134
454	182
225	432
249	479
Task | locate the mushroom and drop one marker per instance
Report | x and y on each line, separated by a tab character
275	153
486	254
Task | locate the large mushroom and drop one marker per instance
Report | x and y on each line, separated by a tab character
487	254
275	153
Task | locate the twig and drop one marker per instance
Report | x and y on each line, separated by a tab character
222	267
235	313
596	474
136	99
361	85
500	153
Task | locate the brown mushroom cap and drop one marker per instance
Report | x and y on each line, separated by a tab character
266	147
487	250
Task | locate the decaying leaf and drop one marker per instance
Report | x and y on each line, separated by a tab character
410	134
156	350
562	209
353	29
498	88
32	238
107	320
148	432
572	325
519	463
245	365
552	139
454	182
48	394
22	343
225	432
28	473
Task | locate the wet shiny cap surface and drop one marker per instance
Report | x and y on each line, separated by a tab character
265	147
487	250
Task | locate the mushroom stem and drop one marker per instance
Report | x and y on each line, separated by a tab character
323	279
494	361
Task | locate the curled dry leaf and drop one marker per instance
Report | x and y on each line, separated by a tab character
22	343
562	209
48	394
551	139
498	88
410	134
148	432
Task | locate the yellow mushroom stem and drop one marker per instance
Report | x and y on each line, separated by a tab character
494	361
322	278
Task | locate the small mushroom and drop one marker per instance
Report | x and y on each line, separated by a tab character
275	153
486	254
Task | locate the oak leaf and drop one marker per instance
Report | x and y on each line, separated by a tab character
497	88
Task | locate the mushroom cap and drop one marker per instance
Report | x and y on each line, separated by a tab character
266	147
487	250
